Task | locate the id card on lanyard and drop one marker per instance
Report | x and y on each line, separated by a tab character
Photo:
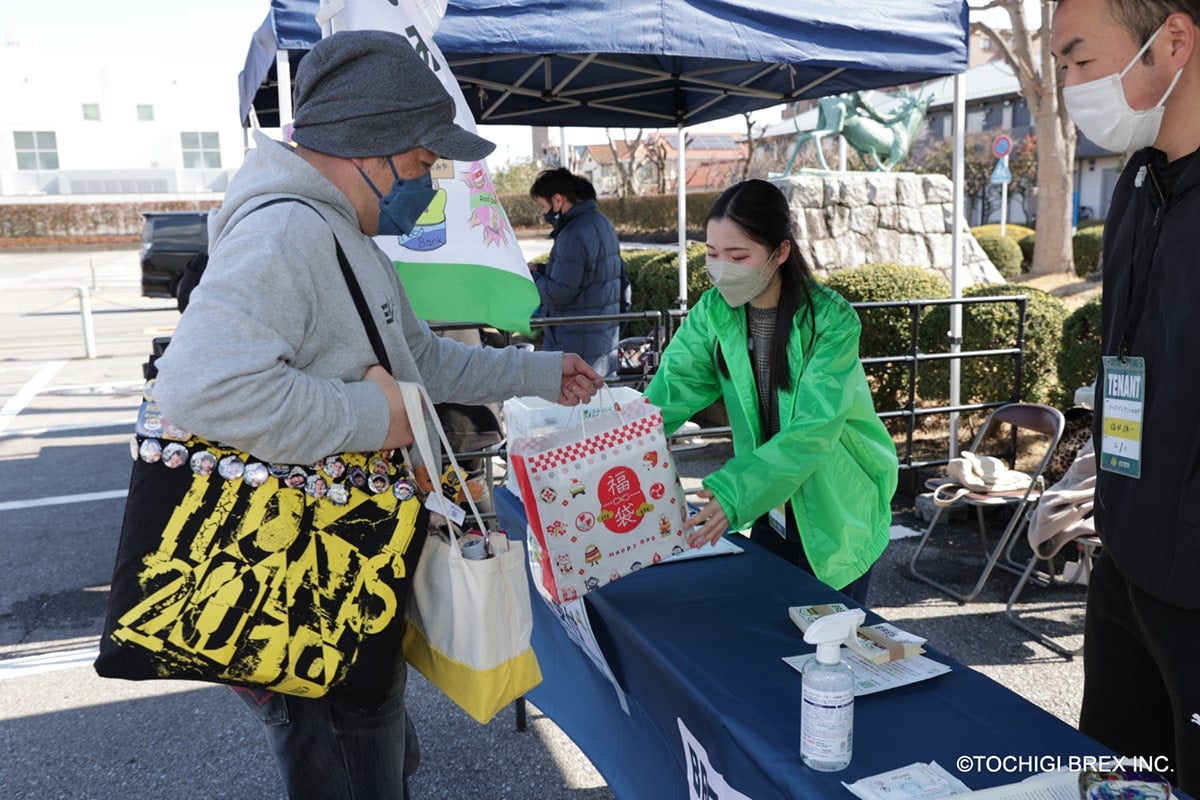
1123	393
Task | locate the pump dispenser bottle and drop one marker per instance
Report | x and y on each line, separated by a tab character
827	711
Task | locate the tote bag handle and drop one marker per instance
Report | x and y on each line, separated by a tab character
413	393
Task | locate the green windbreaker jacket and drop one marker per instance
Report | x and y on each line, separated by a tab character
832	458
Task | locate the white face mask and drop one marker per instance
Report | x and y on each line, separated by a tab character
1100	110
737	283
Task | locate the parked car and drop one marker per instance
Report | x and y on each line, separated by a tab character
169	240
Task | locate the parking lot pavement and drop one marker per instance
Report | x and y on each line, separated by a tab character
64	428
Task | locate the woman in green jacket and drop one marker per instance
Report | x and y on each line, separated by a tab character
814	469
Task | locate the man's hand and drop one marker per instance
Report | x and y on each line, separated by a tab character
399	429
579	381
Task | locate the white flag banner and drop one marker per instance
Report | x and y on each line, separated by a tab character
462	262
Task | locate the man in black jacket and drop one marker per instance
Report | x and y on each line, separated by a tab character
1131	76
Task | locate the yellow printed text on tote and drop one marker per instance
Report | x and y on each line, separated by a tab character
262	606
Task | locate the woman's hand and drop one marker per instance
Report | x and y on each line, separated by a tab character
710	522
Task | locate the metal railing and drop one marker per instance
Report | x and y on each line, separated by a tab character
665	324
914	357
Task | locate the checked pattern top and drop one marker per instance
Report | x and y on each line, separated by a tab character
591	445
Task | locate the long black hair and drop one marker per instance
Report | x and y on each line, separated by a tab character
562	181
761	211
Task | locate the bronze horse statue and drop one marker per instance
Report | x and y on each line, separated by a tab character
881	140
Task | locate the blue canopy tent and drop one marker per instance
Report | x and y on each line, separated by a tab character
652	63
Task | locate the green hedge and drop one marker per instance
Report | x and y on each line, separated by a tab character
1086	244
1027	243
652	216
990	326
1080	353
654	280
36	220
1014	232
523	211
887	331
1090	223
1004	253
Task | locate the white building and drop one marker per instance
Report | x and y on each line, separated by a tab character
71	127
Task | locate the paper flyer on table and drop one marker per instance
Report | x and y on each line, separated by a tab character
574	619
1046	786
871	678
721	547
924	781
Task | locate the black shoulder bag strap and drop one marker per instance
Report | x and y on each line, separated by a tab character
360	301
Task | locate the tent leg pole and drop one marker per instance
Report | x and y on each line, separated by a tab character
681	185
956	258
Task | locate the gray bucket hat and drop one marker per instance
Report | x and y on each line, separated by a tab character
367	93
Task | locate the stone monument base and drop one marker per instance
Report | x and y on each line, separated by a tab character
848	219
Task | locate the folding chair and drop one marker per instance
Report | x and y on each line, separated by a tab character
1063	517
1033	417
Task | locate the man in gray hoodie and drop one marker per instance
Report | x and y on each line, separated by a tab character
271	356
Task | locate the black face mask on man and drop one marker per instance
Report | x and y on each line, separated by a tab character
552	217
400	208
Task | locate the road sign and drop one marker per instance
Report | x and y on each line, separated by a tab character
1001	174
1001	147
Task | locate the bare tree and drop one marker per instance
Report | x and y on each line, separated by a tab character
1028	54
748	165
657	155
629	164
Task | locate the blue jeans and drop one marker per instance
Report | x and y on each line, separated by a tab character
793	551
334	751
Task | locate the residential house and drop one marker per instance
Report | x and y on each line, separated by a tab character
712	161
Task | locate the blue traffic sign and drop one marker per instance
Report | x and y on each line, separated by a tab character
1002	146
1001	174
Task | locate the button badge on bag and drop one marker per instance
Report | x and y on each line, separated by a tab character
296	478
256	475
175	455
150	451
339	494
231	468
203	462
316	486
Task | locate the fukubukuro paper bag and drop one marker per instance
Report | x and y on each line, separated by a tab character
602	497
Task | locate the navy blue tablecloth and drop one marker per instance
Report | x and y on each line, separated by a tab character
700	643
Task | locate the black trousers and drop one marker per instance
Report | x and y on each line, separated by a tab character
1141	666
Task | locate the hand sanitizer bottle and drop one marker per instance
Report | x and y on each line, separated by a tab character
827	712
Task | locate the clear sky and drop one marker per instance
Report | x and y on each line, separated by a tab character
218	29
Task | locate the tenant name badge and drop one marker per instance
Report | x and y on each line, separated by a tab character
777	516
1124	401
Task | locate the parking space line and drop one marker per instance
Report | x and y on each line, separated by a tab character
21	399
47	662
16	505
18	433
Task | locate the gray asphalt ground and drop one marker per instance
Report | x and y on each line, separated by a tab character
65	733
